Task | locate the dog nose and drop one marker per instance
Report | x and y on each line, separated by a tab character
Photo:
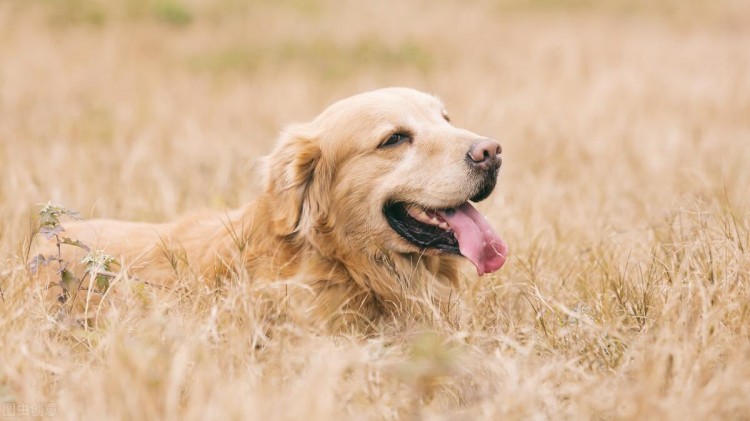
485	153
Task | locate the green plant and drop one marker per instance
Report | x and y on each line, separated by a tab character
98	264
172	13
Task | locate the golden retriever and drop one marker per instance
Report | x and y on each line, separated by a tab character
367	206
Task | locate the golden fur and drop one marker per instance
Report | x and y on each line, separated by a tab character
318	223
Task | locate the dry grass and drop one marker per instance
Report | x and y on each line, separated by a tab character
624	197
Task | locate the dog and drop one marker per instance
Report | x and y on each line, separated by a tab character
368	207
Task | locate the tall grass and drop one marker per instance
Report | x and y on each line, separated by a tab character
626	135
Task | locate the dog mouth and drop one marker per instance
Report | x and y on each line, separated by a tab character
461	230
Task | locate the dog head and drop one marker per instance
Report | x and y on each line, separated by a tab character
386	171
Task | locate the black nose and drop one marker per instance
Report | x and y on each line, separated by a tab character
485	154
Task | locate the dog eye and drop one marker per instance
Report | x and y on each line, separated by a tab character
396	139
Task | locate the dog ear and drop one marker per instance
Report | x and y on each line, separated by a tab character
298	181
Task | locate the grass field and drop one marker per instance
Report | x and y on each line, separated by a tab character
624	198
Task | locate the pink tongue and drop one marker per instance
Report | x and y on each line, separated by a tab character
477	240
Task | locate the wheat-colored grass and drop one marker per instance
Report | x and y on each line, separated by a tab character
624	197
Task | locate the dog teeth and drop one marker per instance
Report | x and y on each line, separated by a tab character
420	215
426	219
414	210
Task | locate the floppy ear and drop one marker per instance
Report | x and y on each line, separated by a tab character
298	182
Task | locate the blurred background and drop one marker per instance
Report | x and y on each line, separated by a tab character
609	111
